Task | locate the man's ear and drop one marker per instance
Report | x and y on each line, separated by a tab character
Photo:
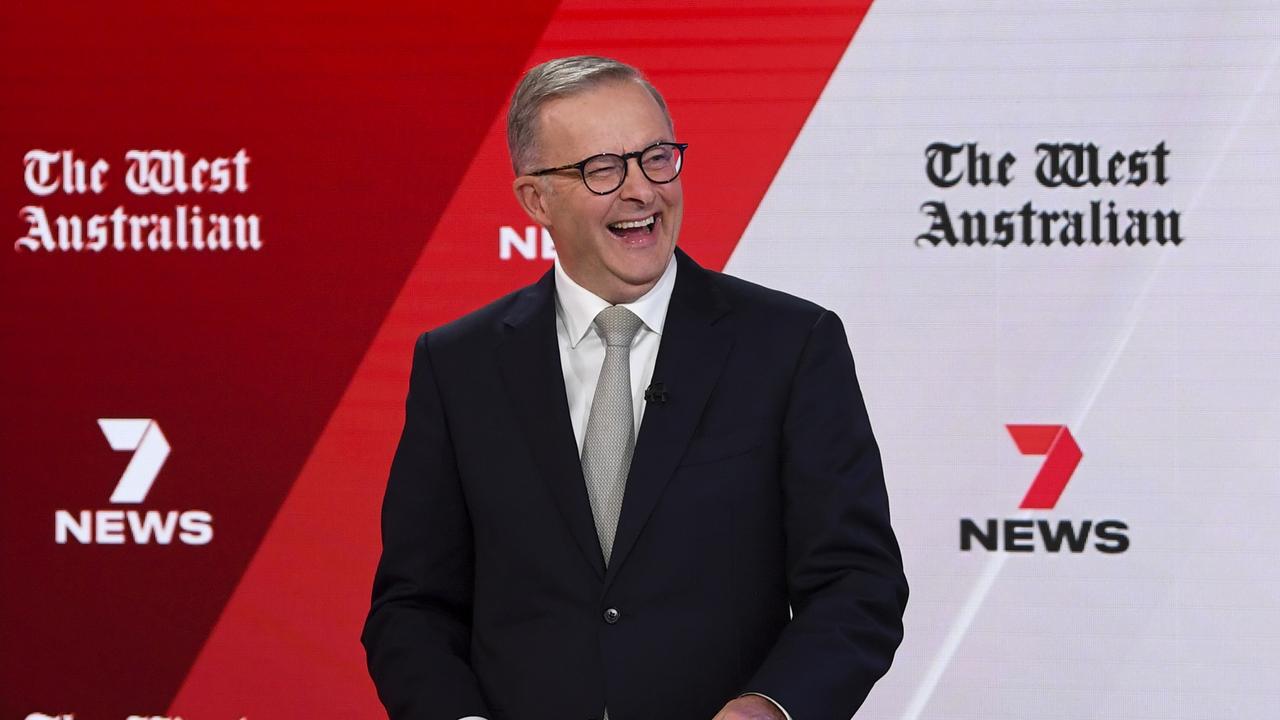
532	193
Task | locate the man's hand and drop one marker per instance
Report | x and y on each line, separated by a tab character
750	707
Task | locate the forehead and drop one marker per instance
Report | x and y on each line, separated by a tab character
613	117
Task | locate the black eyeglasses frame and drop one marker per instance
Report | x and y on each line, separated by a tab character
581	166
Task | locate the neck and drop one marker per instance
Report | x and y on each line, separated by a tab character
628	294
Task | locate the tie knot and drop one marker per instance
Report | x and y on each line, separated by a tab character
618	325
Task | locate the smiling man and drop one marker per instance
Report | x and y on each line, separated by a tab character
617	238
637	489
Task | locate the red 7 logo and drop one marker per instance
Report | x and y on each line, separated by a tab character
1061	456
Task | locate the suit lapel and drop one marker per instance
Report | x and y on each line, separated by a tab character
692	352
530	360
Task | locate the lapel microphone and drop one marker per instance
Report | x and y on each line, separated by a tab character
656	394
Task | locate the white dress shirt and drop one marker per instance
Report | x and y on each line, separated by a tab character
582	350
582	346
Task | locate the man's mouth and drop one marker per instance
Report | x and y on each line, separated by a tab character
631	229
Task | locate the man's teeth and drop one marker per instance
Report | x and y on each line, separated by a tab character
633	223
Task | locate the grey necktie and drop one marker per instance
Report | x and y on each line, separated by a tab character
610	437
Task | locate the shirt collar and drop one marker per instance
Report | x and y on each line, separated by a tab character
577	306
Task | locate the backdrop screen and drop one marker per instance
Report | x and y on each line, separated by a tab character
1049	228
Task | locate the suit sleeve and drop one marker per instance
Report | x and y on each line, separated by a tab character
418	632
844	569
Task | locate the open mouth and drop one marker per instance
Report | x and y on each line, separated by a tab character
634	229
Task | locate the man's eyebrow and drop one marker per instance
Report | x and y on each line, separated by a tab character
642	147
651	144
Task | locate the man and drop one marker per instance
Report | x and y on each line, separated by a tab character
613	485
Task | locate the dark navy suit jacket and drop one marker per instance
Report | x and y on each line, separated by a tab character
755	491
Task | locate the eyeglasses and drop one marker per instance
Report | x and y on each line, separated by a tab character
605	173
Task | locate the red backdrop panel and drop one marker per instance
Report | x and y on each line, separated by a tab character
278	376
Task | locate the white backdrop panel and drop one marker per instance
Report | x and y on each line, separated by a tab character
1160	359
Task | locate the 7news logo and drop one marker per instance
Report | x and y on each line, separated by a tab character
1023	534
113	526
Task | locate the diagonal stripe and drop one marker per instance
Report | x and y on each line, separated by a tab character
740	85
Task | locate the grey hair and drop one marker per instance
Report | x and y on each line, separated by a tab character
559	78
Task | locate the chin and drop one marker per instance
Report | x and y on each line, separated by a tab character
644	267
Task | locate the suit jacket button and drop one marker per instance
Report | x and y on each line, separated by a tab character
612	615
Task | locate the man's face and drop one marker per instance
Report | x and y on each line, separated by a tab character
617	264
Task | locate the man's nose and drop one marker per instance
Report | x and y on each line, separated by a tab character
636	186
